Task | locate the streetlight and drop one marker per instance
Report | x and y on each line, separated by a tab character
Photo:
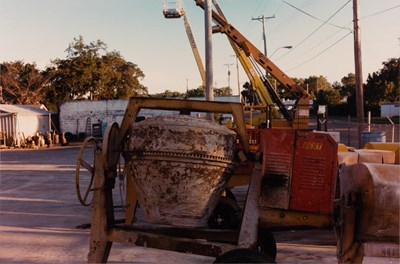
283	47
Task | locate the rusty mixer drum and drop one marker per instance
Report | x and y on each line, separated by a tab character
180	166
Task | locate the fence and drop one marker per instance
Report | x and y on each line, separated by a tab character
349	131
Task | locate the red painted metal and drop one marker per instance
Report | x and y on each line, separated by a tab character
277	167
314	173
299	170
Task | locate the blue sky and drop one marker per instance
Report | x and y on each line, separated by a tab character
41	30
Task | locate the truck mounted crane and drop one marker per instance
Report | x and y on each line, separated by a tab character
299	119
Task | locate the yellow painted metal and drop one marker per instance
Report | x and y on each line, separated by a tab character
137	103
342	148
395	146
131	196
195	50
86	199
301	113
277	218
258	85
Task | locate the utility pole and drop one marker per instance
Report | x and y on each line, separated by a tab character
208	44
229	74
262	19
358	70
237	74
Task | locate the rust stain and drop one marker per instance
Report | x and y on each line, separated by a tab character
181	165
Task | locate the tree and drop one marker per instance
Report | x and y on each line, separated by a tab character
23	83
168	94
225	91
198	92
330	97
91	72
382	86
314	84
282	90
348	87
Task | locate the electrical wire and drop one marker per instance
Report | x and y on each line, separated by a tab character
315	31
288	19
317	45
380	12
314	17
341	39
325	50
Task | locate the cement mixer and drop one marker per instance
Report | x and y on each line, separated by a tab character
178	168
366	214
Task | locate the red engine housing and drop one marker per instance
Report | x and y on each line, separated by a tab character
299	170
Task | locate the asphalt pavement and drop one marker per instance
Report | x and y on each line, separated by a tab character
40	217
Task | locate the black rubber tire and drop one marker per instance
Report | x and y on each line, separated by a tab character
266	242
229	194
244	255
226	215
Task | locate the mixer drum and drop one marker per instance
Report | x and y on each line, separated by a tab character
180	166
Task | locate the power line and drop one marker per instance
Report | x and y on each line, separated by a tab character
289	18
314	17
380	12
325	50
318	44
255	12
316	30
334	44
262	19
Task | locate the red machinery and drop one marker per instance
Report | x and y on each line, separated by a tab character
299	171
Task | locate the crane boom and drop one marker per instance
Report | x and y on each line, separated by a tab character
178	12
195	50
301	114
258	85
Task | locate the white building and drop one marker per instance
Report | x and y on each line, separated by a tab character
390	109
21	121
78	117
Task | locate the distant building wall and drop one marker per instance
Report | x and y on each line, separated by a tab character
30	125
74	115
390	109
22	121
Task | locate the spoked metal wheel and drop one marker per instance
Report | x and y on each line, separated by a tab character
84	178
111	149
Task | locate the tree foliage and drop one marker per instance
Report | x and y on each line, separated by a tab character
23	83
330	97
91	72
314	84
168	94
197	92
224	91
383	85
